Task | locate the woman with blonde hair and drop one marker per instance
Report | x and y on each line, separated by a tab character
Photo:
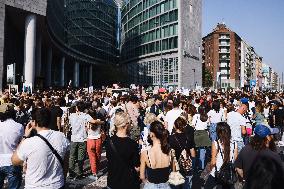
149	118
123	156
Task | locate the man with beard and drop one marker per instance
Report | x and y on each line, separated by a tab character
261	144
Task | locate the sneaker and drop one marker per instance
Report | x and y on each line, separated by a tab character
93	177
80	177
71	176
100	173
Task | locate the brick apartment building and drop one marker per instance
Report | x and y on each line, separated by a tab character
222	57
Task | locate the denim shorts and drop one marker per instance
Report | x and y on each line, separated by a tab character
149	185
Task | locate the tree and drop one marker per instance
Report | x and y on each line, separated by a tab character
207	78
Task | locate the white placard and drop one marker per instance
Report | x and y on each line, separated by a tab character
91	89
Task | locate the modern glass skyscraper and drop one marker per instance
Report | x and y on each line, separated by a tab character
157	42
86	29
161	42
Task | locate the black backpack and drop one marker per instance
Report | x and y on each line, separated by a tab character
227	174
184	161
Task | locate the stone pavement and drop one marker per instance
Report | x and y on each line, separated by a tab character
87	183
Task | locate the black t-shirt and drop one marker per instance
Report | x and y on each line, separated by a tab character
189	131
179	142
248	155
155	109
55	112
279	117
120	175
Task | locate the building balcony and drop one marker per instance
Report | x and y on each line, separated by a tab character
224	58
224	68
224	37
224	44
224	51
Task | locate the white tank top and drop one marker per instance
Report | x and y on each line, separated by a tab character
219	158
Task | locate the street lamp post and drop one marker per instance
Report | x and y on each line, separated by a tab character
193	78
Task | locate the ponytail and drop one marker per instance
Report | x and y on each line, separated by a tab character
165	142
162	134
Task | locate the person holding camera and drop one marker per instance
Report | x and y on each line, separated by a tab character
45	154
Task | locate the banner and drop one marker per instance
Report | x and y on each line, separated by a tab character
91	89
14	89
10	74
27	88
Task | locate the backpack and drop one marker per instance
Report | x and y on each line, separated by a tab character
184	161
227	174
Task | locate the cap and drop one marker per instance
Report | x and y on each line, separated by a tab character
244	100
4	107
265	130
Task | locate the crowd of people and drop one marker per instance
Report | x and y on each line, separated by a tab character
226	139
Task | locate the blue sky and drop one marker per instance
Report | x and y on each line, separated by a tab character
258	22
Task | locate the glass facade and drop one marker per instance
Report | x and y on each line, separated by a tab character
85	29
149	35
148	26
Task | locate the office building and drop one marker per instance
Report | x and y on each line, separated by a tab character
52	42
161	42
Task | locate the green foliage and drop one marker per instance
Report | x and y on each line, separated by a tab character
207	78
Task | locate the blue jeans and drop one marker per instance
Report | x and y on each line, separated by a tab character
14	175
202	157
186	185
240	145
149	185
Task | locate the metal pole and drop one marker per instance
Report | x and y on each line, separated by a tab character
282	85
161	63
193	78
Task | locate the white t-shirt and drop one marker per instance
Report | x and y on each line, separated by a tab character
251	105
44	170
11	133
94	133
198	124
235	121
223	111
214	116
170	118
266	112
78	122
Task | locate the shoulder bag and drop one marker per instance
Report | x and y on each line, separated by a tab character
52	150
201	137
175	177
184	161
59	158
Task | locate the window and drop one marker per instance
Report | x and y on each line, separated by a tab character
172	45
165	44
163	33
158	33
157	46
158	9
162	7
175	31
171	30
